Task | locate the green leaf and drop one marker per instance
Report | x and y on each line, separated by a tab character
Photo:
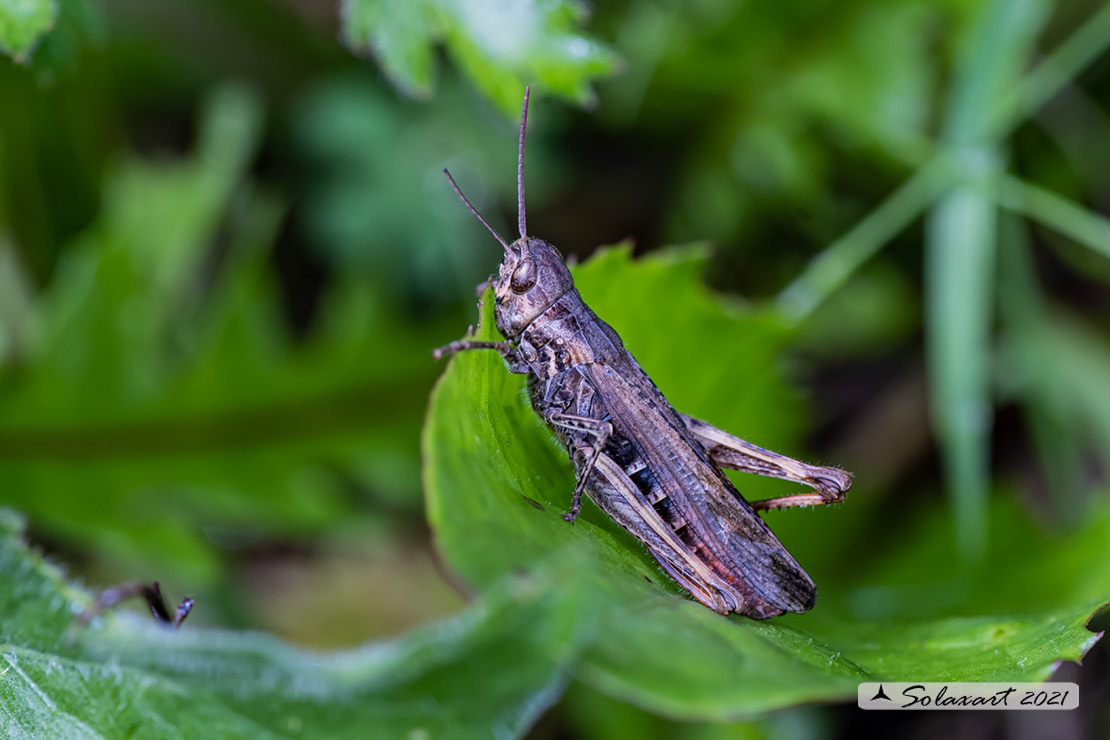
1087	227
828	271
491	670
164	403
1059	368
23	23
496	486
398	34
831	269
959	262
501	46
370	154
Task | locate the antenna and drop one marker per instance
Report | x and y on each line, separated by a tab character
475	211
520	168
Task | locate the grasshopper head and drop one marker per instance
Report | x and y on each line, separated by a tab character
533	275
531	278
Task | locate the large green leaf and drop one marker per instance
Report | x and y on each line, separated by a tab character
501	46
496	485
490	671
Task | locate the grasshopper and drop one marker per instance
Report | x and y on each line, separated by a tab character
656	472
149	592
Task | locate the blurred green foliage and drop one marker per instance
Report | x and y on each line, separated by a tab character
502	46
226	250
23	23
163	387
128	677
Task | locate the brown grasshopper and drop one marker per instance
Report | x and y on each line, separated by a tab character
655	471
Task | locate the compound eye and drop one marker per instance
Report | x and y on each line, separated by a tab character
524	276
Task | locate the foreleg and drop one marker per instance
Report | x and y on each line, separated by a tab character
505	349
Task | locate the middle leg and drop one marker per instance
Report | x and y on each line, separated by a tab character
601	431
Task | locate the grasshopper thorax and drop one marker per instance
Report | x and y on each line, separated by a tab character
531	279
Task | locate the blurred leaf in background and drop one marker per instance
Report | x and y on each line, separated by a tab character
22	24
849	82
164	389
989	99
502	45
369	156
